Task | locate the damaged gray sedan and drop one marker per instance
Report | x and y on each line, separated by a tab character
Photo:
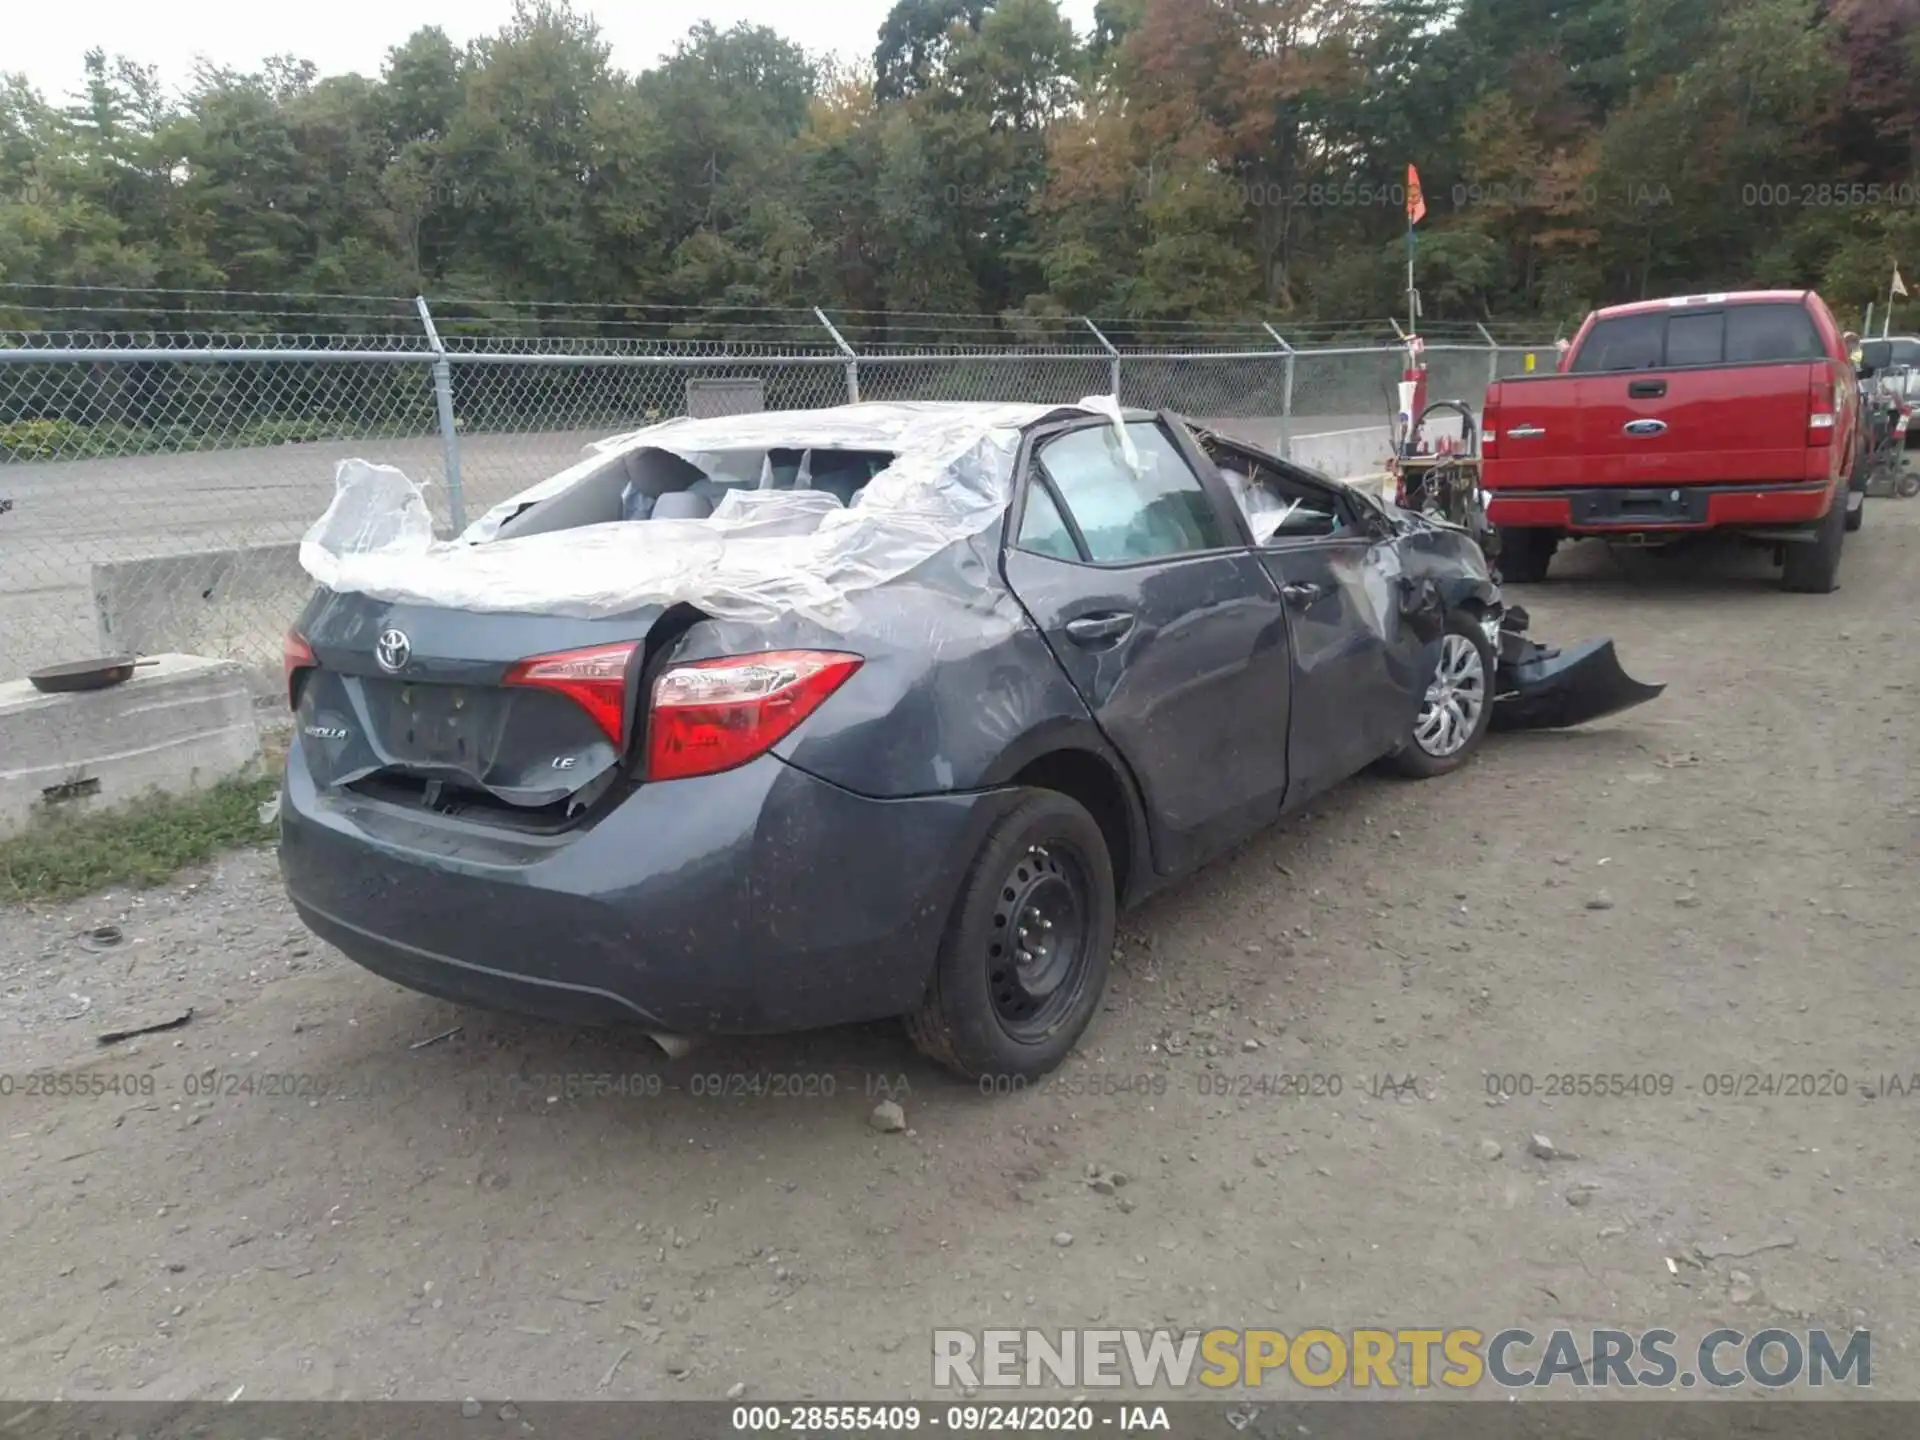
780	721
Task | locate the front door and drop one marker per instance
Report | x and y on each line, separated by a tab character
1359	671
1138	574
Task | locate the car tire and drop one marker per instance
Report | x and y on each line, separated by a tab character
1813	568
1045	859
1525	554
1468	695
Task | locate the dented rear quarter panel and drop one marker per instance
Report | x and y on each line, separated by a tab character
957	691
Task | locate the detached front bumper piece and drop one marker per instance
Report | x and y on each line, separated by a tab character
1537	687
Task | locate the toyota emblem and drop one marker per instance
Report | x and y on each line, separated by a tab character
393	650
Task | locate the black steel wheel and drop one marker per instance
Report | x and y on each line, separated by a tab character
1037	954
1024	961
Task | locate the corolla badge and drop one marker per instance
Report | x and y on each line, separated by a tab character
393	650
326	732
1644	427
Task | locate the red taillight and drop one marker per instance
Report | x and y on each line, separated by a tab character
1489	430
714	715
595	679
295	655
1820	408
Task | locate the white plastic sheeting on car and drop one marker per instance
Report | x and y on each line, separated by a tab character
760	554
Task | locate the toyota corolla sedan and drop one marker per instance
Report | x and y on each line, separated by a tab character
780	721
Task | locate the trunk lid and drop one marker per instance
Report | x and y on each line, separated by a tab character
414	705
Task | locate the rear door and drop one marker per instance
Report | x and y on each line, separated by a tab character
1698	395
1140	574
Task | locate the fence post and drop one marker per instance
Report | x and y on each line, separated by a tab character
853	360
449	432
1493	352
1286	395
1113	360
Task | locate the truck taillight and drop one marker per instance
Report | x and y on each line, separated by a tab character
1820	406
295	656
595	679
1489	429
713	715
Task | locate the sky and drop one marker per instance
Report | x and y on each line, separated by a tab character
47	39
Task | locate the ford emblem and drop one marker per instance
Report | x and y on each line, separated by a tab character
1644	427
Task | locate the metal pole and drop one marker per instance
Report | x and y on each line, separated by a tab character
853	360
1114	362
1286	394
449	430
1493	353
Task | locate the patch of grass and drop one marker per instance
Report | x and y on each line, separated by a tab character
143	844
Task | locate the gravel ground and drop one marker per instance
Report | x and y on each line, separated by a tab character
1712	884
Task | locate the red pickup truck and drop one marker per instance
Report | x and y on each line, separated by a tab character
1737	413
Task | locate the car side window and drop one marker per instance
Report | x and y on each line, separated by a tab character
1125	511
1277	506
1042	529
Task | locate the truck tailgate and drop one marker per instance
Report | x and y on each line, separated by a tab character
1710	426
1725	425
1533	435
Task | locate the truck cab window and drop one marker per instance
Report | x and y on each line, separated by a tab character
1626	342
1759	333
1697	339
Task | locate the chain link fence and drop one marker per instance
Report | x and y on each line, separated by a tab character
154	488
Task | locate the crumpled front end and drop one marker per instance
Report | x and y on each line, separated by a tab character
1536	687
1539	687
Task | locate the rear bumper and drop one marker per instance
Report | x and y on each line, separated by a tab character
758	901
1604	509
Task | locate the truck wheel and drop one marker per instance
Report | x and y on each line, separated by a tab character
1458	705
1525	554
1024	961
1814	569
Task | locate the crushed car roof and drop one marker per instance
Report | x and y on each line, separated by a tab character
761	553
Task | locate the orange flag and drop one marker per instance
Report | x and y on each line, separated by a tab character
1416	202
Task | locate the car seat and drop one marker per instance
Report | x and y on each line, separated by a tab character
844	476
683	504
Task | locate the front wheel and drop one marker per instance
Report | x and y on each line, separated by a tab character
1024	961
1457	707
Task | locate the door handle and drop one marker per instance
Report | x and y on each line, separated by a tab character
1646	389
1302	594
1099	629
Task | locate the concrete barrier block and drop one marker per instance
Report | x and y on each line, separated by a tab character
235	604
1345	454
182	724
